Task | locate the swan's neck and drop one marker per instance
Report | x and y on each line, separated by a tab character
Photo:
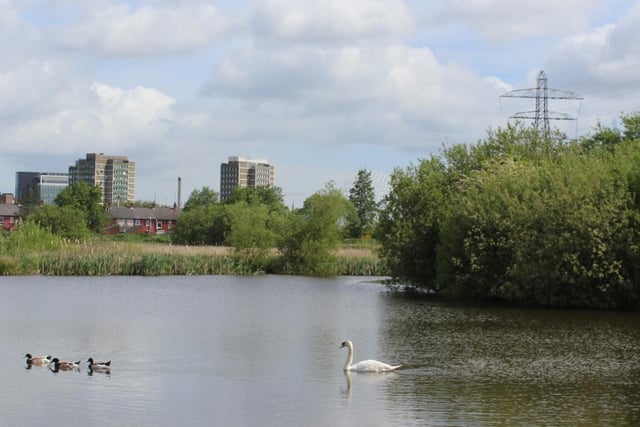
347	364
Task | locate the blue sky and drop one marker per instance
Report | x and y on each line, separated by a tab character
321	89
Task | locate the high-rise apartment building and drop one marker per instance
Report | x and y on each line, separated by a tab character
115	175
241	172
39	187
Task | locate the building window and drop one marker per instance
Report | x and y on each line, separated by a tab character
147	222
158	224
137	222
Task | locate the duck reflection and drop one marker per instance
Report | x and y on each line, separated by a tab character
103	371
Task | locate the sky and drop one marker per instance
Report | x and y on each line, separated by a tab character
319	88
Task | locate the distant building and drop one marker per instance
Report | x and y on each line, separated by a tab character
9	216
25	184
159	220
41	187
7	199
115	175
241	172
50	185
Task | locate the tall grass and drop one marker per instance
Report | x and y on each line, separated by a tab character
140	265
31	250
29	237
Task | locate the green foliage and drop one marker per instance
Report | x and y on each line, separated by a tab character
631	124
65	221
270	196
87	199
363	197
249	222
314	232
252	233
200	199
134	265
602	138
552	235
204	225
409	225
521	218
29	237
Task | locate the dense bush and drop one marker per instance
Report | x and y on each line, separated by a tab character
521	218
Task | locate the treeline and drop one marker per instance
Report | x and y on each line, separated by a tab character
265	235
255	223
523	218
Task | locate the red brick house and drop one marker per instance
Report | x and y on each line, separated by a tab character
9	215
159	220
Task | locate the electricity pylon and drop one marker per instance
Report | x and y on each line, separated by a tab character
542	95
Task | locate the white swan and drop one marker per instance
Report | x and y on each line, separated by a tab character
365	365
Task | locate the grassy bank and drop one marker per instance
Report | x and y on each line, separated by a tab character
101	257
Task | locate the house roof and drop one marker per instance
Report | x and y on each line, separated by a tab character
161	213
9	210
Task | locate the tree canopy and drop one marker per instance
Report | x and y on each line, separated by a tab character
201	198
87	199
363	197
522	218
65	221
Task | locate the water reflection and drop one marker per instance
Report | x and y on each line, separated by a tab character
263	351
103	371
368	379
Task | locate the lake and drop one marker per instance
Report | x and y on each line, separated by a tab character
264	351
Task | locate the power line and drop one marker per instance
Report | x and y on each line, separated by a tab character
542	94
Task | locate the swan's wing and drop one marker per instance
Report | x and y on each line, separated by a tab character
373	366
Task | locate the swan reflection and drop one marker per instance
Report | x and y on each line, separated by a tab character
365	379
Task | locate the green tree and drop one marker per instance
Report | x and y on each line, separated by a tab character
251	234
553	234
64	221
363	197
201	198
88	199
256	196
314	232
631	124
602	137
410	219
204	225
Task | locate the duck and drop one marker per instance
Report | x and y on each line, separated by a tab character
61	365
37	361
98	365
365	365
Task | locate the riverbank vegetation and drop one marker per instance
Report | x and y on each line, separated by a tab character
522	217
31	250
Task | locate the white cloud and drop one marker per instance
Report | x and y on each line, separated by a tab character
602	65
505	21
329	21
394	95
83	118
148	30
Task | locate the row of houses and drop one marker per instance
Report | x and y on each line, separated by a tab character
158	220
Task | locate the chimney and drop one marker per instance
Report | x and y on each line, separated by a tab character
179	193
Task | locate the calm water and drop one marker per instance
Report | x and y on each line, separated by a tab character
264	351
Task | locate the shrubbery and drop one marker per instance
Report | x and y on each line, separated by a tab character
520	218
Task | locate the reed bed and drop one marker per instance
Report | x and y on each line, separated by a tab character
104	258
